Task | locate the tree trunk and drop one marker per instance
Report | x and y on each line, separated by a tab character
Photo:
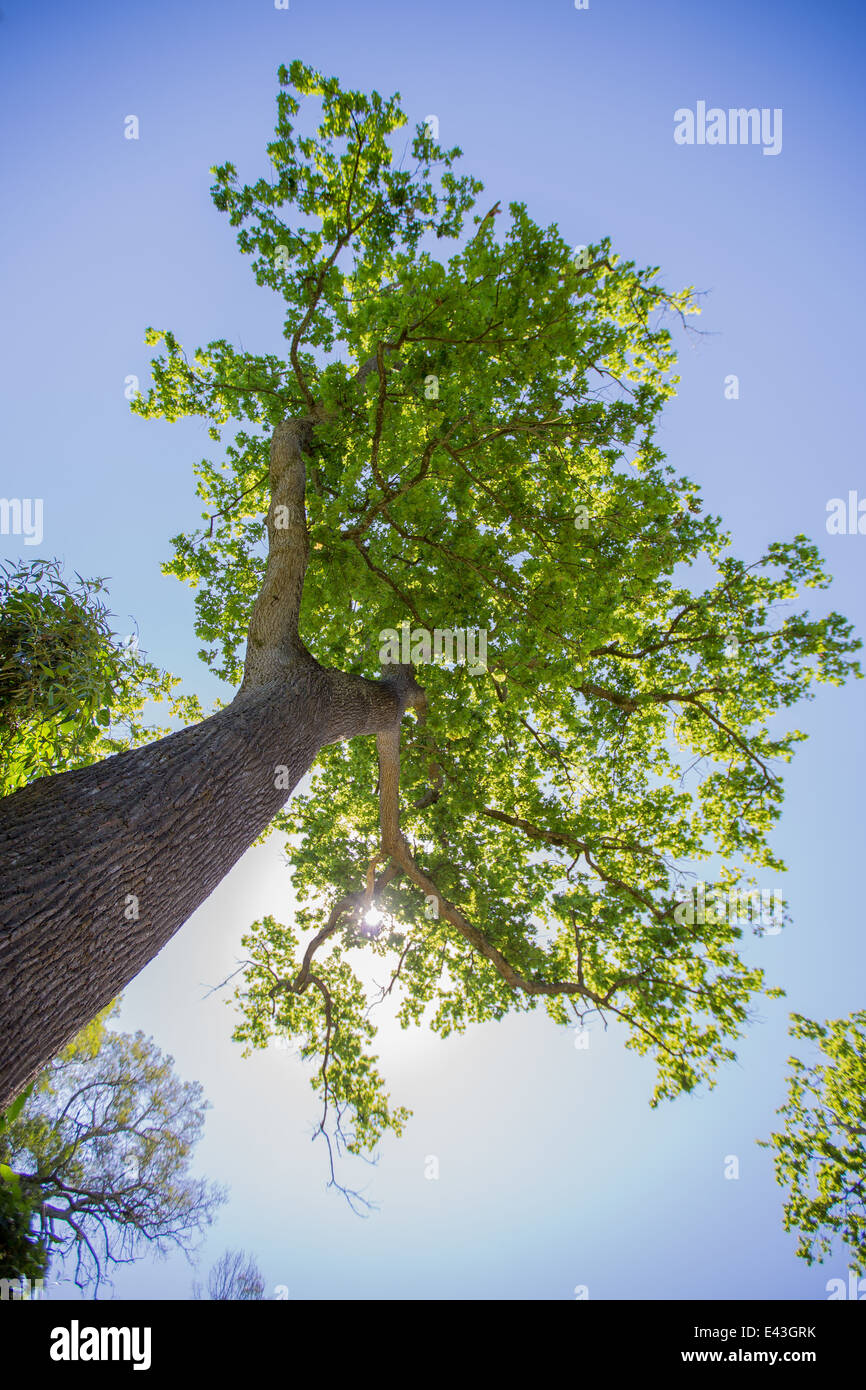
101	866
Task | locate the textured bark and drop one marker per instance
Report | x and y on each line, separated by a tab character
152	832
273	642
101	866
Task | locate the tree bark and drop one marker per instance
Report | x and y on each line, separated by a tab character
100	867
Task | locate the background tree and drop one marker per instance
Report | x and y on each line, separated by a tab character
479	435
23	1252
71	690
820	1155
101	1150
235	1276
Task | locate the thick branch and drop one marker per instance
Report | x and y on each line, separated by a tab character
272	641
394	843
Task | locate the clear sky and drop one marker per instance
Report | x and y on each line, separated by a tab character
554	1172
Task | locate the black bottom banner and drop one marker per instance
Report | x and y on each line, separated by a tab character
57	1339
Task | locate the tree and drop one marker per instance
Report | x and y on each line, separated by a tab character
235	1276
71	691
23	1252
479	435
820	1155
101	1150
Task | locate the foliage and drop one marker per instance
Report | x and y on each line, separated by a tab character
22	1253
102	1148
71	691
484	457
820	1155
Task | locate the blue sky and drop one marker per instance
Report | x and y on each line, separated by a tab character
554	1172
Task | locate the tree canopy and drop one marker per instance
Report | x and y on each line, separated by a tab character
820	1155
101	1151
481	436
